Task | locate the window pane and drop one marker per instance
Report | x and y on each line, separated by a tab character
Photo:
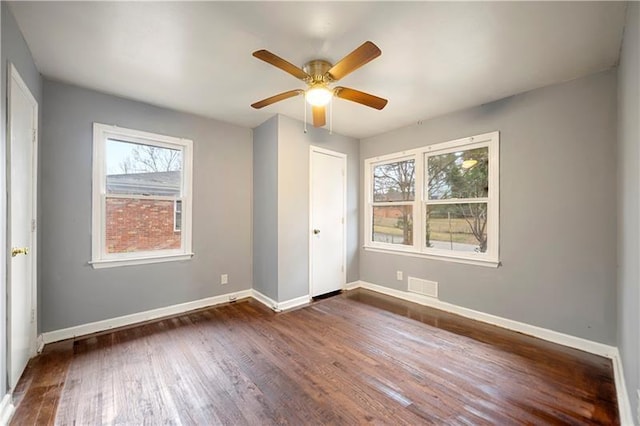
143	169
394	181
457	227
393	224
134	225
462	174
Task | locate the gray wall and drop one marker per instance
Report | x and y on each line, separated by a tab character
293	203
281	205
72	292
628	205
557	212
14	50
265	208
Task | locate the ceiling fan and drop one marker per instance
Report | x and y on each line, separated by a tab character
319	75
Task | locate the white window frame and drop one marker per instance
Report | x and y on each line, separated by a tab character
392	158
175	216
99	256
491	257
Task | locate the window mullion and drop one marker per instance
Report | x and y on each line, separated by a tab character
368	203
392	203
418	216
143	197
458	201
103	226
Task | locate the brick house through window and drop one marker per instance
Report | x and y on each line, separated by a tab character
143	223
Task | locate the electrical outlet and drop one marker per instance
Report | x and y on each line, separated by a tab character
224	279
399	275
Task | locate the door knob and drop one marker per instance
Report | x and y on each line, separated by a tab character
16	251
316	231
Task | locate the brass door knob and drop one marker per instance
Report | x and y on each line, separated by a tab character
22	250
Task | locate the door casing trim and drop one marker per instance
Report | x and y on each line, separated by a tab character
13	74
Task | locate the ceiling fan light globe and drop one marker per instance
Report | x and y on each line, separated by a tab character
467	164
318	96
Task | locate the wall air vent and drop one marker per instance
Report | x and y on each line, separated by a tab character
424	287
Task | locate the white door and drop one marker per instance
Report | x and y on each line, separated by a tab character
328	221
22	126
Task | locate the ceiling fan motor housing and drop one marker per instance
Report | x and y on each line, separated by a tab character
317	69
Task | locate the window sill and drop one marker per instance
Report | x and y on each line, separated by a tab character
111	263
477	262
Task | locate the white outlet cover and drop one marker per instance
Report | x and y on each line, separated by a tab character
224	279
399	275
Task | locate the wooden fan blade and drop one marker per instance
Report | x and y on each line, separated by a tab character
319	116
354	60
360	97
277	98
278	62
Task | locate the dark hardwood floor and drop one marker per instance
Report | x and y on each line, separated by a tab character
355	358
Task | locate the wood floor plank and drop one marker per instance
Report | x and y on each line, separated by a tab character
358	357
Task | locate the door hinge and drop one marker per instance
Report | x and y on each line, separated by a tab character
33	137
33	225
33	315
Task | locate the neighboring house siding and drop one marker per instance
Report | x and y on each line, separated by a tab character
390	212
140	225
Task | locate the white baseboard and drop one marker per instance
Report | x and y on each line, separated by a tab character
624	406
265	300
6	409
280	306
39	344
294	303
532	330
104	325
352	285
94	327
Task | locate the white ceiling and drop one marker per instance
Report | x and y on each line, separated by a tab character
436	57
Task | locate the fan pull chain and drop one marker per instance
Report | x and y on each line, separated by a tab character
304	100
331	116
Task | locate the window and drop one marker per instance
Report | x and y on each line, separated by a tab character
141	197
394	193
453	214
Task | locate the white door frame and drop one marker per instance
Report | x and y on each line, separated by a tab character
316	149
13	74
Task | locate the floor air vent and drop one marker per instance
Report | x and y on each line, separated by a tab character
424	287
